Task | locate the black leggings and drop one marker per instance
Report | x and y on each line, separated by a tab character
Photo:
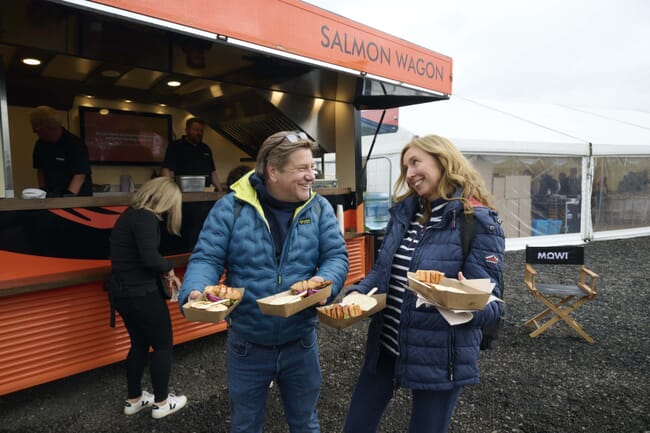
149	325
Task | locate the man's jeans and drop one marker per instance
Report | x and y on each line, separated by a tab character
295	368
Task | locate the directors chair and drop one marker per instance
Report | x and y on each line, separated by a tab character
560	299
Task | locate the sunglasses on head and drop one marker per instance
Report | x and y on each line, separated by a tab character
294	138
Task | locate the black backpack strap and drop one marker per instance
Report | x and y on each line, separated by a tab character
468	233
468	227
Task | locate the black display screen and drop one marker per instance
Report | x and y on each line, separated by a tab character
124	137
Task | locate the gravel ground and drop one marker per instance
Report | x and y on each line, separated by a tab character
557	383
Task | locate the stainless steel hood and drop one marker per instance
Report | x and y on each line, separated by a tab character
246	118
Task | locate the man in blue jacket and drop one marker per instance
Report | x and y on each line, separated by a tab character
267	234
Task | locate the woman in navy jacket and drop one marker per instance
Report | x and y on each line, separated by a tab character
414	347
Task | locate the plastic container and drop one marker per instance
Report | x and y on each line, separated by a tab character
546	227
126	184
554	227
376	210
191	183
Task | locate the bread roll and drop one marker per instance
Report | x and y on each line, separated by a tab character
429	277
341	311
223	291
303	285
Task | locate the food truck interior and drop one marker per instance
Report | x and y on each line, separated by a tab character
87	59
82	61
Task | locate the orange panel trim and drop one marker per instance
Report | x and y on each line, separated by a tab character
91	218
23	270
52	334
357	259
17	265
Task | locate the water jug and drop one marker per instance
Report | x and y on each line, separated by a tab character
376	210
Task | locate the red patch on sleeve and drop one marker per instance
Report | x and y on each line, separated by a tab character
492	259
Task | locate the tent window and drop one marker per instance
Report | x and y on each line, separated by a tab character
534	195
620	196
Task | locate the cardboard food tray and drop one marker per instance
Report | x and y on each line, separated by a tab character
286	310
344	323
195	315
453	294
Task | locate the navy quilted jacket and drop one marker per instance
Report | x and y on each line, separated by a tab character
433	354
243	247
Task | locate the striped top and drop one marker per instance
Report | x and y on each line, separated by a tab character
399	268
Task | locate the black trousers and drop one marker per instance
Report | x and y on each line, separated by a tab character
149	324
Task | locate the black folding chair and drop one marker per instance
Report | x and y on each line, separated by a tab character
560	299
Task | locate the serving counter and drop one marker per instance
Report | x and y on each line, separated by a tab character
53	309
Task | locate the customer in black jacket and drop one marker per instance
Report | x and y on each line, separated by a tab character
137	266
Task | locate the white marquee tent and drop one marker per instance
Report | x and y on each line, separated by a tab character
543	139
474	127
610	132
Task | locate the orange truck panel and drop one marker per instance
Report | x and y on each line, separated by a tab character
51	334
55	333
302	29
357	259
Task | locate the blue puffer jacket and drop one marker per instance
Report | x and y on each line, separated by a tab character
242	246
433	354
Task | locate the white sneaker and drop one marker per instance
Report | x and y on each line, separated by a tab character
174	403
146	400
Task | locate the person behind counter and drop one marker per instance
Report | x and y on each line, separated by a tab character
139	294
60	157
415	347
270	232
190	156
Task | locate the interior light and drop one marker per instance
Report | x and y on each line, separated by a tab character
276	97
128	101
216	91
103	111
318	103
110	73
163	105
173	83
30	61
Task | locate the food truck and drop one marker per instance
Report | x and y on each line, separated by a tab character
124	75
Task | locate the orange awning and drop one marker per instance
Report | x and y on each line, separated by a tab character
301	29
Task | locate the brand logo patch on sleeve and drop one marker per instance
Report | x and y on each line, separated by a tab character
492	259
304	221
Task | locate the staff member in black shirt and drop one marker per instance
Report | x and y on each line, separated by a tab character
60	157
190	156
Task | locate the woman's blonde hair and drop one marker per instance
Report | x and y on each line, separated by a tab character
456	171
161	196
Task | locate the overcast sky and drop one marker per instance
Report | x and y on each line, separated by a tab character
586	53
